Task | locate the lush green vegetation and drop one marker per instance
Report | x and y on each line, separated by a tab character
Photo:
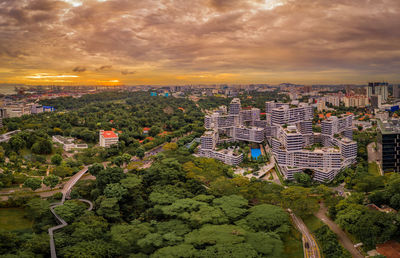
181	206
14	219
31	153
327	239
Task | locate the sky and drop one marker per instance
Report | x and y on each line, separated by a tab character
164	42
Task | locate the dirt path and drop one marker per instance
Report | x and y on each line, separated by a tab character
342	237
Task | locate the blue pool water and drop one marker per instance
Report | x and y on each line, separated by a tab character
255	153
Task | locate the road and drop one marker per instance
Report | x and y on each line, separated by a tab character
342	237
310	246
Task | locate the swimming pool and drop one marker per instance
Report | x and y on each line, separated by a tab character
255	153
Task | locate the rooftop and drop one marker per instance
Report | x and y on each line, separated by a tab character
389	126
109	134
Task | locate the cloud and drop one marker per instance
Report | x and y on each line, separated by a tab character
79	69
104	67
252	39
126	72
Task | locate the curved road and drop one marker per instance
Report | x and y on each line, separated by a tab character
310	245
66	192
342	237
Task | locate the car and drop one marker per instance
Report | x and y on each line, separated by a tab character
307	245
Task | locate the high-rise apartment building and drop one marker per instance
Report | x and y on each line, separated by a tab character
295	147
233	124
291	115
235	107
396	91
378	88
376	101
389	144
356	101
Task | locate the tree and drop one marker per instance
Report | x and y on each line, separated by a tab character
71	210
109	176
16	143
42	147
299	200
170	146
33	183
51	181
234	206
154	130
115	190
266	217
109	209
37	208
395	201
125	236
303	179
89	227
56	159
182	250
95	169
140	152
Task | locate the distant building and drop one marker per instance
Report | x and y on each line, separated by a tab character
356	101
36	109
107	138
146	130
376	101
48	109
396	91
3	114
378	88
389	144
68	143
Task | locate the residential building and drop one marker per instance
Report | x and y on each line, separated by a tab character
291	115
235	107
396	91
107	138
376	101
294	154
356	101
378	88
296	148
228	156
235	125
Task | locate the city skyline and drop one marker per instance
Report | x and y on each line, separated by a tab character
113	42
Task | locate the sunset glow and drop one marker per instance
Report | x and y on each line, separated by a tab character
200	41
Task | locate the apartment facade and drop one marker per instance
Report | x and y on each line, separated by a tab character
389	144
107	138
295	147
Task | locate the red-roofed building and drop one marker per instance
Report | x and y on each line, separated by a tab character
107	138
149	138
328	115
146	130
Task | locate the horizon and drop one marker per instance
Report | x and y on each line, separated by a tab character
202	42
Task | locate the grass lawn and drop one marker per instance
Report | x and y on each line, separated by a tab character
293	244
373	169
13	219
